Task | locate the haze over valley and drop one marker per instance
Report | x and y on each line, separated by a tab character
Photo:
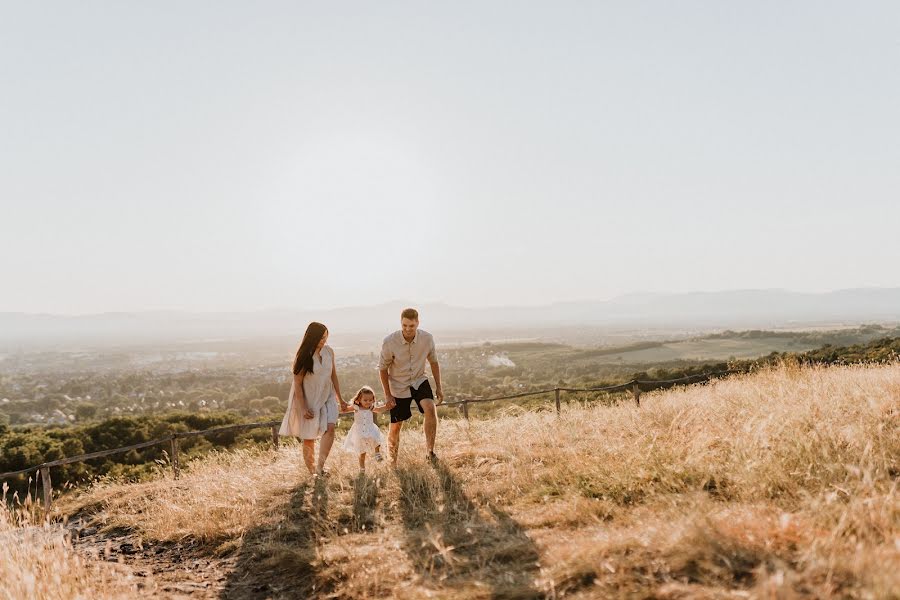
359	329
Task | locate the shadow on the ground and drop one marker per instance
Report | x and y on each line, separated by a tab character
456	543
277	560
365	497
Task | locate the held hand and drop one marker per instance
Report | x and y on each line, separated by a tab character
439	396
307	413
390	402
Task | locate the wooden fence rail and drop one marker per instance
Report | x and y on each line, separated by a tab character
635	386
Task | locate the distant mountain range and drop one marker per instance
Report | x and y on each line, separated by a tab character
730	309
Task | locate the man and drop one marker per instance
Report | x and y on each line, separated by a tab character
402	370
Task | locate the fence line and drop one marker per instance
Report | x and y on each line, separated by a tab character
634	386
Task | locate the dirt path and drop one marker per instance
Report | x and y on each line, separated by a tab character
163	570
333	537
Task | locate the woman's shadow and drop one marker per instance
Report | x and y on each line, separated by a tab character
453	541
278	560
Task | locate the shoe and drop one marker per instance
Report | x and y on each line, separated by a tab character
322	473
379	457
432	457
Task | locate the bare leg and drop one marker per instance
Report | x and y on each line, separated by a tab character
325	446
430	424
362	461
309	452
394	441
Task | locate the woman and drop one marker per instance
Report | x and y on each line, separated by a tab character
313	402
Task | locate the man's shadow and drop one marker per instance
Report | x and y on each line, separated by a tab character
277	560
451	539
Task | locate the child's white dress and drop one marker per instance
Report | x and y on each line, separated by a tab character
364	434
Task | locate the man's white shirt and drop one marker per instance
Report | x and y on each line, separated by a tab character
405	361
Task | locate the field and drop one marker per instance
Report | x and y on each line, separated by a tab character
708	349
65	405
779	484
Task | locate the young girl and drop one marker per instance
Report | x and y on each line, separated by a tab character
364	436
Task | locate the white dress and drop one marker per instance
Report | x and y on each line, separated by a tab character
364	435
320	399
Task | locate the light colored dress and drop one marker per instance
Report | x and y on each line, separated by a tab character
364	435
320	399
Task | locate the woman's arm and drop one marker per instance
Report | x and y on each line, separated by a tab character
300	397
336	383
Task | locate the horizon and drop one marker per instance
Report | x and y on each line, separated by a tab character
439	303
644	314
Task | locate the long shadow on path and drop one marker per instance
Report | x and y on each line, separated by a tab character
277	560
454	543
365	499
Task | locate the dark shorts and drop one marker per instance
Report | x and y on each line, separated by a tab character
403	409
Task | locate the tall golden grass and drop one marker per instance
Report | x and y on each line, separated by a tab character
37	561
779	484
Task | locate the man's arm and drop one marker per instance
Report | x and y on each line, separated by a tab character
385	360
436	371
386	386
438	389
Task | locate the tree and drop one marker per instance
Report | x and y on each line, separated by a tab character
86	411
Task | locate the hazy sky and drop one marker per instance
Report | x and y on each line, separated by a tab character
228	156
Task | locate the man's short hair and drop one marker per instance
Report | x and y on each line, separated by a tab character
410	313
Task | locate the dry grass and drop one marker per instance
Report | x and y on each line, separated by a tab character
37	561
781	484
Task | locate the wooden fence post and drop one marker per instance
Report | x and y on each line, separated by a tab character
175	455
48	489
636	390
275	436
466	409
557	400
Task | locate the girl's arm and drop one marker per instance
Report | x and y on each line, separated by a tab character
300	397
381	409
336	383
348	408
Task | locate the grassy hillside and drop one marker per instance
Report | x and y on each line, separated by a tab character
781	484
37	561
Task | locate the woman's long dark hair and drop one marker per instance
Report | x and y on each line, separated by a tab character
303	362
